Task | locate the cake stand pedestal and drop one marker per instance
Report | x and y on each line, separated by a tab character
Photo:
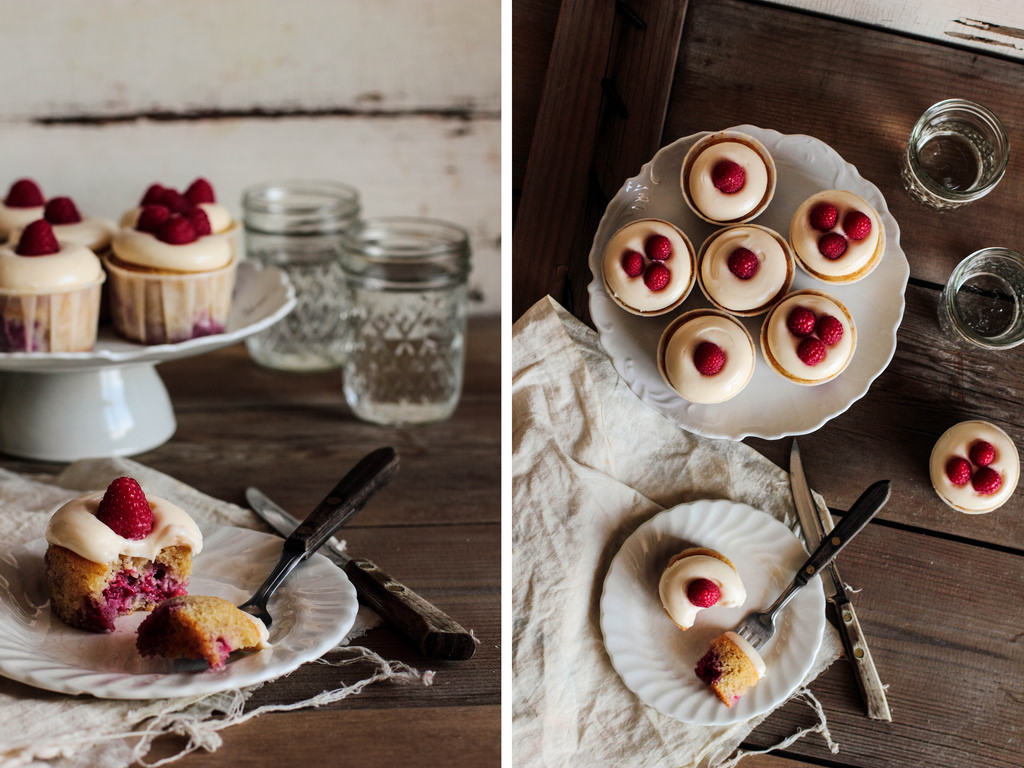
111	401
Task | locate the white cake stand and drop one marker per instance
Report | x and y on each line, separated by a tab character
111	401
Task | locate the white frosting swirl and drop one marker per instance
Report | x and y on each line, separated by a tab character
73	267
754	295
717	205
681	339
957	441
632	292
675	578
144	250
782	345
856	260
75	526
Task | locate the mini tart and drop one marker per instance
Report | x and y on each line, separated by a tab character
679	342
861	256
717	207
756	294
779	346
697	563
631	292
957	442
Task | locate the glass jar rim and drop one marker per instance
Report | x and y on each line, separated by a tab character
299	199
957	278
406	252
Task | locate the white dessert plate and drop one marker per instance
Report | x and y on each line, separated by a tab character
770	407
656	660
313	611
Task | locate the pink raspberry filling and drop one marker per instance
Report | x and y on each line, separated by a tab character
129	591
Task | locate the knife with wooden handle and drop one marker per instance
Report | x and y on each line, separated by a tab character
437	635
816	521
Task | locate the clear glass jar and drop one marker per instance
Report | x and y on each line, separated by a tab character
406	282
298	226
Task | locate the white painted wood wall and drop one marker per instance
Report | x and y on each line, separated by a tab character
400	98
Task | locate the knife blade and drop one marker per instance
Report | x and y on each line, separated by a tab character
816	521
432	631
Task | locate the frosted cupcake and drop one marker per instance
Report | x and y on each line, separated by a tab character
837	236
809	337
49	293
648	267
171	276
706	356
23	204
974	467
728	177
745	269
70	226
199	194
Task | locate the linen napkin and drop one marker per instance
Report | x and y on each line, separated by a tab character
39	728
590	463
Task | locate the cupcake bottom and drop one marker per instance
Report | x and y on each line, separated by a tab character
165	307
50	322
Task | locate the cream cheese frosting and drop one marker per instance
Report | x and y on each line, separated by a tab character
17	218
145	250
782	345
859	253
750	652
219	216
93	233
75	526
717	205
632	292
772	279
675	578
957	441
71	268
676	357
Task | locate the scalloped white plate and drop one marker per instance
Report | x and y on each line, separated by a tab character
313	611
770	407
655	659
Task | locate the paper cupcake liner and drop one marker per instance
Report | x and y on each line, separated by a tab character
160	308
50	322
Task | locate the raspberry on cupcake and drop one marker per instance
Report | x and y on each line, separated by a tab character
744	269
70	226
706	356
648	267
974	467
695	579
809	337
728	177
22	205
837	236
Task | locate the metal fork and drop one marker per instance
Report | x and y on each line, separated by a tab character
758	627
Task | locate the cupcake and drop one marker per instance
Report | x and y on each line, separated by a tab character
837	236
744	269
974	467
809	337
728	177
695	579
171	274
706	356
23	204
648	267
199	193
69	226
49	293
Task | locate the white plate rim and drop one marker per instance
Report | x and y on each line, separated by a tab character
655	659
769	407
29	632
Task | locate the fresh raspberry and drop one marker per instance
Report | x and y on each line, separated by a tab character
125	510
151	218
177	230
176	201
728	177
658	248
657	276
703	592
856	225
829	330
743	263
823	216
982	453
708	358
811	351
632	263
61	210
154	195
832	245
200	221
986	481
37	239
24	193
200	191
958	470
801	321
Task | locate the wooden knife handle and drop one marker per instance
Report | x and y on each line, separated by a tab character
864	666
436	634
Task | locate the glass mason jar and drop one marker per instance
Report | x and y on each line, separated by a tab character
406	282
298	226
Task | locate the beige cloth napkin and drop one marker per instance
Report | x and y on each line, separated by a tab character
39	728
590	463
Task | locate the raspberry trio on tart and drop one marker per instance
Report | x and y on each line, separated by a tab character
648	267
974	467
809	337
837	236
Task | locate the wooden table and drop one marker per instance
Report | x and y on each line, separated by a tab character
436	527
939	592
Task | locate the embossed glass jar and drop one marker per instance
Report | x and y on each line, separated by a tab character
406	283
298	226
